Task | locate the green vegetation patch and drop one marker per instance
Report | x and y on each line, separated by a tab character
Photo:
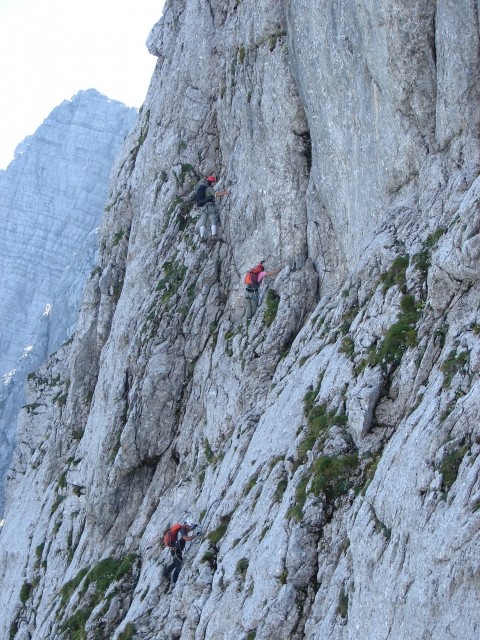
319	420
441	333
281	488
117	290
310	397
369	472
283	577
448	410
453	364
144	130
128	633
173	276
347	347
71	586
450	466
108	571
332	475
382	528
187	170
13	630
116	446
347	319
242	566
274	38
38	554
117	237
39	550
62	481
56	503
250	484
60	399
210	456
31	407
218	533
210	558
296	511
342	606
396	275
102	575
422	262
434	237
75	625
272	300
400	336
25	592
183	208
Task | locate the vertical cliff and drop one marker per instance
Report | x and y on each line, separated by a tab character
52	197
330	447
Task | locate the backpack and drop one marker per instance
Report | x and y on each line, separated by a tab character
251	277
170	537
200	197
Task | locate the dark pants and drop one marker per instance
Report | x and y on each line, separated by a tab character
174	566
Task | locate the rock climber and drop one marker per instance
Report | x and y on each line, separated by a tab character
253	280
205	200
175	539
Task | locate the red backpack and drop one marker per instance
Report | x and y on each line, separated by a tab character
170	537
251	277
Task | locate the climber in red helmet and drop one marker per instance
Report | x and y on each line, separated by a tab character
205	200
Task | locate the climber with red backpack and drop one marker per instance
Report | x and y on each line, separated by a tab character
253	279
175	538
205	200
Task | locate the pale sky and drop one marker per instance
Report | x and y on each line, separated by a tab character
51	49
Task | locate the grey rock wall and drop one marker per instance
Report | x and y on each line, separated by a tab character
330	447
52	197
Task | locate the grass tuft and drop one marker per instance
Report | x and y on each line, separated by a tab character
396	275
216	535
450	466
272	300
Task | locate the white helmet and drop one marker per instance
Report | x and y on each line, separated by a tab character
190	523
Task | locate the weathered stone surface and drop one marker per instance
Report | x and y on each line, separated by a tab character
330	447
52	197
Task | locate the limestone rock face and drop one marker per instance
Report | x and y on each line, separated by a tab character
330	447
52	197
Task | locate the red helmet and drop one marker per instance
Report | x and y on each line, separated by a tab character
211	179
